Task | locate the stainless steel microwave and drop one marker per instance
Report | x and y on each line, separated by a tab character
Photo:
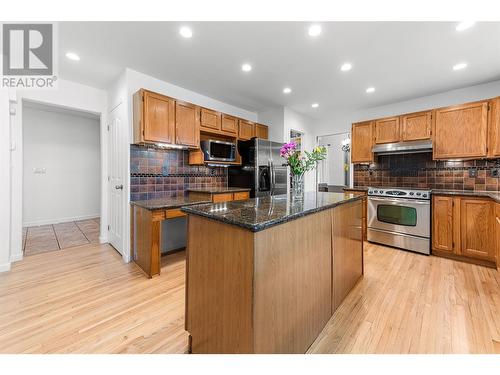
214	150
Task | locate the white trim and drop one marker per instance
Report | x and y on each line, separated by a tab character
62	220
103	239
4	267
16	257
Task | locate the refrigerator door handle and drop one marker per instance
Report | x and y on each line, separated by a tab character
271	169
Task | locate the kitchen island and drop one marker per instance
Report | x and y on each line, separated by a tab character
265	275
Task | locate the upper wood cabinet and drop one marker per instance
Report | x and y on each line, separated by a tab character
153	118
460	131
187	121
387	130
246	129
494	128
261	131
229	124
416	126
362	142
442	223
210	120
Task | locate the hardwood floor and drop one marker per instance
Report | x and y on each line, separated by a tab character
85	300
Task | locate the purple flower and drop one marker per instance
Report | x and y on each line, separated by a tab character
288	150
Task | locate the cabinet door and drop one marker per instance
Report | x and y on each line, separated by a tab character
241	196
246	129
387	130
210	119
416	126
476	228
187	124
362	142
442	223
159	117
460	131
261	131
224	197
229	124
494	128
497	231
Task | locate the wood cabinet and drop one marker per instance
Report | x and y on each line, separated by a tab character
187	121
229	124
362	142
210	120
460	131
463	227
246	130
416	126
497	231
153	118
494	128
442	223
261	131
220	197
387	130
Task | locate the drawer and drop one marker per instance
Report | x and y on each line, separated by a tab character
241	196
225	197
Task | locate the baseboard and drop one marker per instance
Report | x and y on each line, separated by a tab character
4	267
103	239
61	220
16	257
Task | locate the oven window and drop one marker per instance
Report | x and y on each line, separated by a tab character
399	215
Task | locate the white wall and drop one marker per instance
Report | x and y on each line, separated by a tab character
66	146
341	121
306	125
69	95
274	118
4	187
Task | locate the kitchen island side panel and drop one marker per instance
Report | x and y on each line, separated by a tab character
292	284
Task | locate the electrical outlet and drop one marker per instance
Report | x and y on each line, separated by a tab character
472	172
495	172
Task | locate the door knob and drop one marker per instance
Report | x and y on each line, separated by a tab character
119	187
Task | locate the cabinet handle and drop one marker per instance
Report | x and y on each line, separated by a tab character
498	219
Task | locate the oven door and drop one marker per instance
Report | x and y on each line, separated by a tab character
400	215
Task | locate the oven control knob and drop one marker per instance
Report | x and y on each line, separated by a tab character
424	195
380	191
411	193
375	191
370	192
418	194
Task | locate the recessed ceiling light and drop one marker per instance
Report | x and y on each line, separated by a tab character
370	90
346	67
186	32
73	56
464	25
314	30
246	67
287	90
460	66
315	105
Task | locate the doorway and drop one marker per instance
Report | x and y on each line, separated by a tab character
334	173
61	178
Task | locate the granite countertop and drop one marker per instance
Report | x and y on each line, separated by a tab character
168	203
261	213
495	195
356	188
218	190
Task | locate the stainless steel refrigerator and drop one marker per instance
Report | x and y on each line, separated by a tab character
263	169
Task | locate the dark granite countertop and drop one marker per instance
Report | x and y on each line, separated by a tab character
261	213
218	190
356	188
168	203
495	195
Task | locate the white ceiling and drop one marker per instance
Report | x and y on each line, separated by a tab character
402	60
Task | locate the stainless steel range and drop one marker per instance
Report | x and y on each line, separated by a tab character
400	218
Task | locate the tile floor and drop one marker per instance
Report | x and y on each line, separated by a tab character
60	236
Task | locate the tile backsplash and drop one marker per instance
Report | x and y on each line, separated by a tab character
160	173
420	171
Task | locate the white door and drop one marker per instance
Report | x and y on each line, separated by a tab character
117	162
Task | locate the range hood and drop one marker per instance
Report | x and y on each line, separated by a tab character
409	147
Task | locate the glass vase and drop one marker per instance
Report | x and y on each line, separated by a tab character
298	186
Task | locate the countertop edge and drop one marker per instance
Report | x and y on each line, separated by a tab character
265	225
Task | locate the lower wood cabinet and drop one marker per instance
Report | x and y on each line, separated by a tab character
497	231
464	228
